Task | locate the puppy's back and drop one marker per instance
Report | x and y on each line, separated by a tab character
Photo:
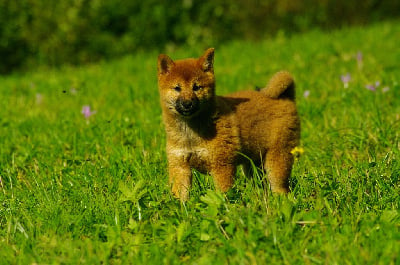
263	121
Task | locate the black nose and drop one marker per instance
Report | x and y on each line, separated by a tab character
187	107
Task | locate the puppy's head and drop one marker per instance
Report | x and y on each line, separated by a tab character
187	87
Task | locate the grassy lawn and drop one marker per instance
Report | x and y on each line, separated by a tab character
93	189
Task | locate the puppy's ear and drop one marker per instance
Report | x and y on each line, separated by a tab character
207	60
164	64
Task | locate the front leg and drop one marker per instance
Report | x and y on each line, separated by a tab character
223	176
180	175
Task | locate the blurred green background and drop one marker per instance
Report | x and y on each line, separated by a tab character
53	33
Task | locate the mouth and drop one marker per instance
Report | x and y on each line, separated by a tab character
186	112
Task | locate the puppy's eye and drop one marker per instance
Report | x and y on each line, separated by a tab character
177	88
196	87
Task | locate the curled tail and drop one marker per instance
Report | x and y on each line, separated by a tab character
281	85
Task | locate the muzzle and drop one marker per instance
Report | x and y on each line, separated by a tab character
187	107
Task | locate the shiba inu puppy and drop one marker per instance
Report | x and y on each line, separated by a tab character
214	134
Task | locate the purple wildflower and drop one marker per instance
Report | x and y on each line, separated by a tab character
87	112
373	87
346	79
385	89
306	94
370	87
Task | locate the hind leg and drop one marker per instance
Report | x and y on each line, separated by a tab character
278	163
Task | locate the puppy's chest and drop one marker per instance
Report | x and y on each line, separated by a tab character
190	148
197	156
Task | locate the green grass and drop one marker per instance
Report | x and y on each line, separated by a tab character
95	191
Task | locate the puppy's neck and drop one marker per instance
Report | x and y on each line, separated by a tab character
201	125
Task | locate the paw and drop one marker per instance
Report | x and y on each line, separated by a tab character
181	192
280	190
